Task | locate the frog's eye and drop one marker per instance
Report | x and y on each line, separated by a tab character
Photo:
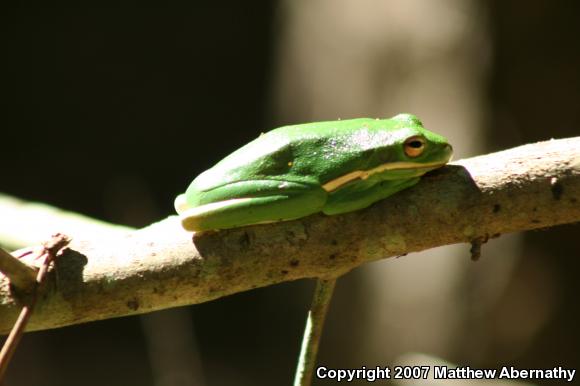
414	146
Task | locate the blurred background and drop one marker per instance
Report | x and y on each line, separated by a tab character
127	105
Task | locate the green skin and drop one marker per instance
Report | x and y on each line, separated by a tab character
294	171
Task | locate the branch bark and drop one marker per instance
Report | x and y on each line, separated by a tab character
524	188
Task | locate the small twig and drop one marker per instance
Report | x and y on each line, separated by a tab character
21	276
476	244
47	254
313	331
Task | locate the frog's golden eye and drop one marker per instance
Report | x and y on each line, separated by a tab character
414	146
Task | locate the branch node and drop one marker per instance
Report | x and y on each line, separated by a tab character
57	242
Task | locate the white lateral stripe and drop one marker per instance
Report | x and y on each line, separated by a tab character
364	174
334	184
200	210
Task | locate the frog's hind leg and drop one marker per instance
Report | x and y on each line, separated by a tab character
292	202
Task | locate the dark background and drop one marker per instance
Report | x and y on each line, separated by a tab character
127	106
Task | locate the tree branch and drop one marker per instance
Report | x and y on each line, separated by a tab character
524	188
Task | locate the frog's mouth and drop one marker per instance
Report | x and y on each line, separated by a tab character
421	169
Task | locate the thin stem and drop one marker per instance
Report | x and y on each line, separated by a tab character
48	254
16	333
313	331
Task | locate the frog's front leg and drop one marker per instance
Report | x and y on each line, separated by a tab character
361	195
251	202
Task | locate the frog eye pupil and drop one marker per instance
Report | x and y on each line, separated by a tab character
415	144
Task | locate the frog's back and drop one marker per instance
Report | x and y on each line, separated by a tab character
274	155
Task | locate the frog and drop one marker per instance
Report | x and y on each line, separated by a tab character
294	171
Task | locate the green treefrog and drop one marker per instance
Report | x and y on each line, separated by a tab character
330	167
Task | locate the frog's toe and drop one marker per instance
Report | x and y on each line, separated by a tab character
180	204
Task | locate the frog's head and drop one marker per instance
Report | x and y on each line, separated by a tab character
416	149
